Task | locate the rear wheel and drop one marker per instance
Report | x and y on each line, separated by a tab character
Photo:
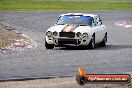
49	46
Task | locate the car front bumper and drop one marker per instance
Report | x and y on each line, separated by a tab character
62	41
67	41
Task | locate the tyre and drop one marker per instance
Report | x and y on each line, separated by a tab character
92	43
49	46
103	43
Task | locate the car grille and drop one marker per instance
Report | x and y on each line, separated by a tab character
67	41
67	34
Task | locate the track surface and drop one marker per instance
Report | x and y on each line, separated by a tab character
116	57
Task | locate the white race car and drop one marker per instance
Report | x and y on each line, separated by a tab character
76	29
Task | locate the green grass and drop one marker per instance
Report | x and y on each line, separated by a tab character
4	43
65	4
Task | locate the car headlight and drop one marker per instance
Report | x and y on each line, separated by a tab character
49	34
78	34
85	35
55	33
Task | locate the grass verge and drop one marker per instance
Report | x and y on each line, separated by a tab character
8	37
4	43
65	4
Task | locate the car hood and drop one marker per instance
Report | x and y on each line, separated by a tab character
69	28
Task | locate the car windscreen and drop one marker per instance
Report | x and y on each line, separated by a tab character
77	20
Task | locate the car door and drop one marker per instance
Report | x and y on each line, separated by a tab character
99	30
96	30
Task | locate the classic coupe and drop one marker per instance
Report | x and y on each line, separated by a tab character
76	29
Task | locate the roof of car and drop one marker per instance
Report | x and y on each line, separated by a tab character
79	14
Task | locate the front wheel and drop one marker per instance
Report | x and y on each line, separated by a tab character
49	46
92	43
103	43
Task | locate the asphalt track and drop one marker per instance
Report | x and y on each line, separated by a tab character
116	57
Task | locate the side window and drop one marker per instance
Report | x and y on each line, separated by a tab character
59	20
98	21
95	22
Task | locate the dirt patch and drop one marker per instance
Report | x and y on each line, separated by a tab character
11	41
7	36
68	82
